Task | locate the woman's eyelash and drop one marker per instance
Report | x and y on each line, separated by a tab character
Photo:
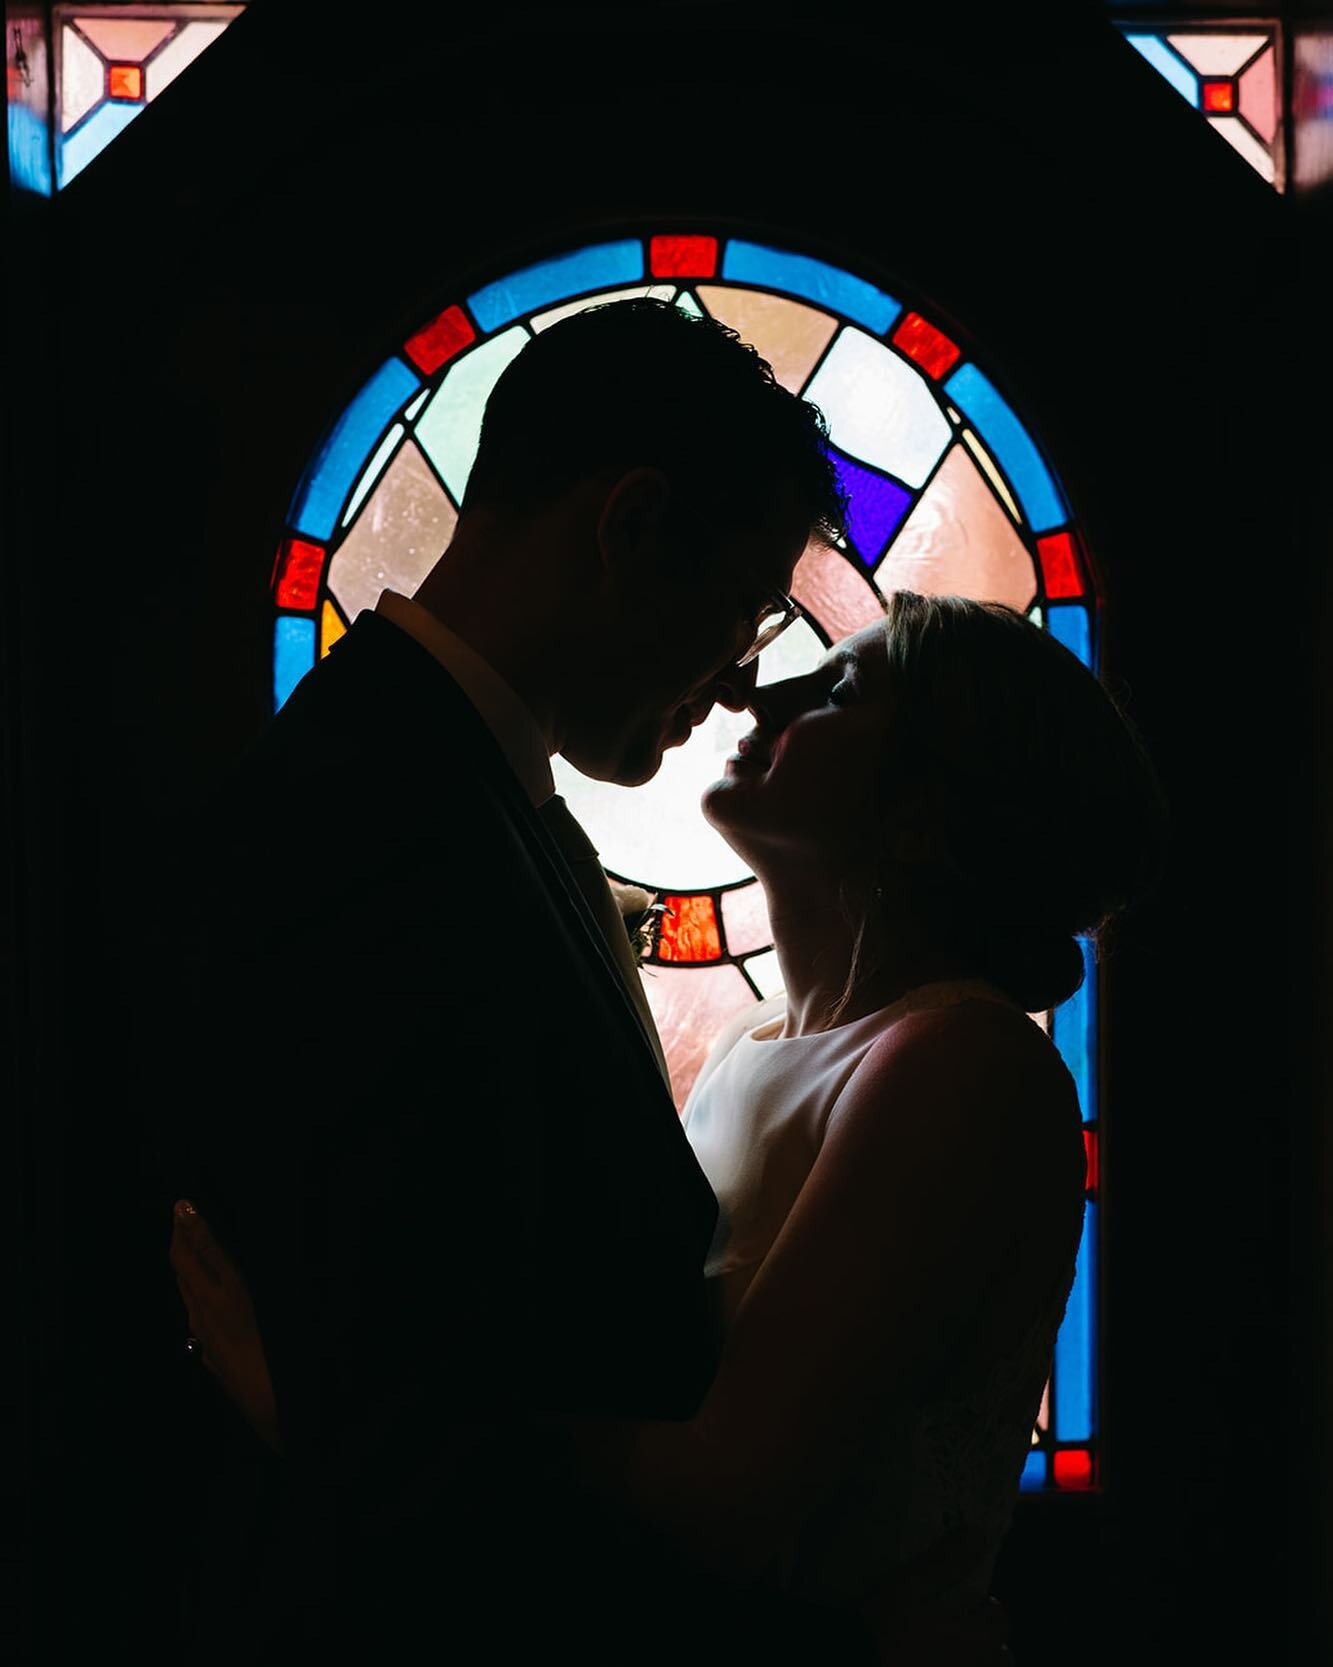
841	693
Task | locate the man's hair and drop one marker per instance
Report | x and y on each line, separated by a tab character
641	382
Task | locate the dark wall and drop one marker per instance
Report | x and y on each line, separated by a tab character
200	302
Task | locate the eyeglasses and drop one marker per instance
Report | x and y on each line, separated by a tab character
775	616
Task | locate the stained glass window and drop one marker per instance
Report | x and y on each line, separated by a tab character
950	492
1230	72
112	61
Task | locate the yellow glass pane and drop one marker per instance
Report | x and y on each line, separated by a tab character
959	542
790	335
402	529
331	627
991	472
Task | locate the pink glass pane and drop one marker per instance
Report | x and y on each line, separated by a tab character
833	592
1258	97
128	39
180	53
689	1007
682	257
689	930
401	531
745	919
1312	107
958	541
790	335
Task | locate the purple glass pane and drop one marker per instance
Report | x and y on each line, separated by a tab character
876	506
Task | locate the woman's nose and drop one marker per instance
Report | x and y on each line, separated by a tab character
776	704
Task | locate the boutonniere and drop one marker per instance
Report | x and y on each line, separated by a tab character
642	916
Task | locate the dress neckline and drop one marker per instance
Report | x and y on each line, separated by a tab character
767	1033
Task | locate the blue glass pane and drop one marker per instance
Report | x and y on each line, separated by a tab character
1073	1381
347	447
830	286
1042	501
876	506
95	135
29	151
293	655
1069	625
1166	63
1034	1473
1074	1024
536	286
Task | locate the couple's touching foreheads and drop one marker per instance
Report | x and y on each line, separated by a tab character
524	1359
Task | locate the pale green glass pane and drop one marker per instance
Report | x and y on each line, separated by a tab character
689	1008
958	541
660	292
878	408
125	40
180	53
372	471
790	335
410	414
1219	54
82	78
1239	137
1035	615
687	304
831	589
766	972
450	426
403	527
745	919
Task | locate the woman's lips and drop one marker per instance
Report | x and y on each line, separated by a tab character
751	753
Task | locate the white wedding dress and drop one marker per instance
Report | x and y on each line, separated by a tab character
755	1118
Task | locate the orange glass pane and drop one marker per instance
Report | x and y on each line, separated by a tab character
1219	95
834	592
124	81
930	347
331	627
297	573
790	335
682	257
745	919
689	930
1060	567
958	541
1073	1468
689	1007
446	335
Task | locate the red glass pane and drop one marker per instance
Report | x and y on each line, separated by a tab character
124	81
929	347
1219	95
441	339
689	930
1061	570
296	574
1090	1153
682	257
1073	1467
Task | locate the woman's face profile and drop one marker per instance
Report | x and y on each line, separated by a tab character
802	786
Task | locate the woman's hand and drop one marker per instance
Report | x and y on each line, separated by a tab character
222	1318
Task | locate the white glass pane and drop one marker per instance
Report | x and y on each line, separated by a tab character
180	53
766	972
82	79
1239	137
879	408
745	919
398	537
540	321
1220	54
450	426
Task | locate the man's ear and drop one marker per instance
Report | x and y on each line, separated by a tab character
630	524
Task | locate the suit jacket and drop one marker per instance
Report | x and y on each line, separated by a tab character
410	1092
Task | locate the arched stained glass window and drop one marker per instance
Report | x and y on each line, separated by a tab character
949	493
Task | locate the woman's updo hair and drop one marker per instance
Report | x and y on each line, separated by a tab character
1039	812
